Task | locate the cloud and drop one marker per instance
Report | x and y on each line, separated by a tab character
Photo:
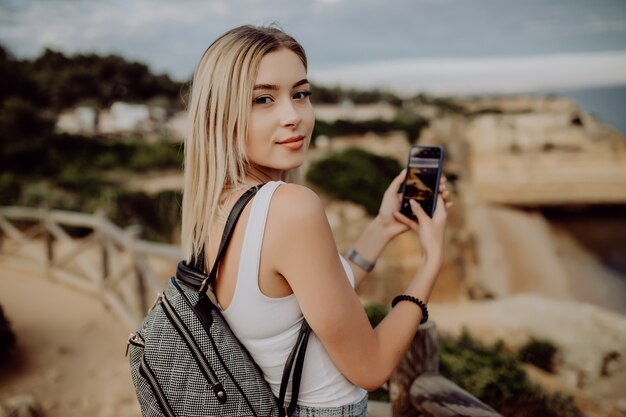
482	75
171	36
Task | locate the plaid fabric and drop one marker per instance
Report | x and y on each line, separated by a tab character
358	409
186	389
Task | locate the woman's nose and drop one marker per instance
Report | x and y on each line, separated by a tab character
289	114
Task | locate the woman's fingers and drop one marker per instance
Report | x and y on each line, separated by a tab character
440	210
443	191
396	183
418	211
405	220
442	183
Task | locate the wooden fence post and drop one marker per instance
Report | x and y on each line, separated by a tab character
48	239
132	234
104	245
417	389
422	357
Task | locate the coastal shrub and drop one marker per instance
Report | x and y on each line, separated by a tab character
412	126
495	376
354	175
158	215
10	188
85	182
445	104
159	155
323	94
538	352
7	337
376	312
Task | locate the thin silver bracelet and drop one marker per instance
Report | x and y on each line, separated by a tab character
360	261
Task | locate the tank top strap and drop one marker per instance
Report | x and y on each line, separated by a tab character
250	259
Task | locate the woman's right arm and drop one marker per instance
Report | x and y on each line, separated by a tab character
306	255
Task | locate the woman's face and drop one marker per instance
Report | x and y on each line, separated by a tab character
281	110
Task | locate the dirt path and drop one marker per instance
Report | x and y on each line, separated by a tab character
71	349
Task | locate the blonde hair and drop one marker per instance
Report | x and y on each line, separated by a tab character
217	126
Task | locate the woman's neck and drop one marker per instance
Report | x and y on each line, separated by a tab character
261	175
254	175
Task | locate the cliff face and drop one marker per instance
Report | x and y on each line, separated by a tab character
543	152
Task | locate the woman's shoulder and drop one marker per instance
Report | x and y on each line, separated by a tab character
295	203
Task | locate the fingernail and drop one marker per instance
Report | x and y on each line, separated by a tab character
412	202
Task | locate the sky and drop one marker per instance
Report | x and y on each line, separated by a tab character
437	46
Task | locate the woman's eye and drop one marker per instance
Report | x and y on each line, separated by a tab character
300	95
262	100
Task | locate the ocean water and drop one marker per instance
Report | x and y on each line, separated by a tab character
608	104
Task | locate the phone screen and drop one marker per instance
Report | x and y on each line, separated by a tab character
422	179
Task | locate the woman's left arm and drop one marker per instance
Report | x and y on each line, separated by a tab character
369	245
384	227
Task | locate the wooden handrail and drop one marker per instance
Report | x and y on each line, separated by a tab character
118	272
417	389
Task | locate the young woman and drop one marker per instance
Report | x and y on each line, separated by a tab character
250	122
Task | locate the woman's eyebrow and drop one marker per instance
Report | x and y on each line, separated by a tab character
275	87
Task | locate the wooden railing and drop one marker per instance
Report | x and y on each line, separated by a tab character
111	263
418	390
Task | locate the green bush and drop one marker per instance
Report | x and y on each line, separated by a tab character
411	126
354	175
540	353
325	94
160	155
376	312
7	337
495	377
158	215
10	188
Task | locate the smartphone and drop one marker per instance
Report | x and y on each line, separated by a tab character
422	179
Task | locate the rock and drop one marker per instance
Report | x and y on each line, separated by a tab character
584	334
21	406
52	374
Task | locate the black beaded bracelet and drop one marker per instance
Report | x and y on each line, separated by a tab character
412	299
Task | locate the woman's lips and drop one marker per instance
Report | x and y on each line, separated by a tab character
293	143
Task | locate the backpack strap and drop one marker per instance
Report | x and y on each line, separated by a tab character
234	215
296	354
194	277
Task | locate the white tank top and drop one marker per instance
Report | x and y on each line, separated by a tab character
268	327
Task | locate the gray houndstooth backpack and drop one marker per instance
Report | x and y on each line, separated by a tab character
185	361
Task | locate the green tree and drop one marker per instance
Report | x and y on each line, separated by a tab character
101	79
355	175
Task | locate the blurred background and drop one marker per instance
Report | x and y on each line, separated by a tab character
528	99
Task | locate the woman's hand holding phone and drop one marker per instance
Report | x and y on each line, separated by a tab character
390	205
430	231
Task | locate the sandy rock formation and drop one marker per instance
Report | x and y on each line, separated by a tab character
21	406
591	340
545	156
